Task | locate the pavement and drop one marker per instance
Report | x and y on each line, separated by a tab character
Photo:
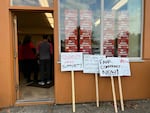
138	106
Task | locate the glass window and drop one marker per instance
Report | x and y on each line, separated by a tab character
122	28
80	26
110	27
42	3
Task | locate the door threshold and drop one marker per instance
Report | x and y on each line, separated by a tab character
35	102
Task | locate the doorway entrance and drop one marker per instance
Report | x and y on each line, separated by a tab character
33	24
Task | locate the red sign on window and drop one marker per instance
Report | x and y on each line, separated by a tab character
123	44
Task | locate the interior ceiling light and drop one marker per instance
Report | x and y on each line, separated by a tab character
119	4
50	19
49	16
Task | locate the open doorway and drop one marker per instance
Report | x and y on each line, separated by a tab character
35	25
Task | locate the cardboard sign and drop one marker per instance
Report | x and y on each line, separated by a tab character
90	63
114	66
71	61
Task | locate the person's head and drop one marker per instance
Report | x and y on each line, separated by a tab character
45	37
27	39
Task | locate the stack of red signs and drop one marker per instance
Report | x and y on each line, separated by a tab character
109	39
123	41
123	37
85	31
71	34
109	47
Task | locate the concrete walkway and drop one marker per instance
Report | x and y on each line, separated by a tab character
140	106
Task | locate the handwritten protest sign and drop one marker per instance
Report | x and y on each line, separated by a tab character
90	63
71	61
114	66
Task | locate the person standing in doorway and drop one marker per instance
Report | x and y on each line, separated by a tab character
44	51
29	59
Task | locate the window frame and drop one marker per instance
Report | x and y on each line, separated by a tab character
131	59
43	3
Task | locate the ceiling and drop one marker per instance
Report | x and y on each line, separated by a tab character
32	20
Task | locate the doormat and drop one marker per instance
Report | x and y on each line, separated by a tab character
35	84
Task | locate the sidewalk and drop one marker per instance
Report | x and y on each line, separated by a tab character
140	106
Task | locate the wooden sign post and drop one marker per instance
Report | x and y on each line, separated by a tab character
72	61
114	94
73	91
97	90
115	66
120	92
90	63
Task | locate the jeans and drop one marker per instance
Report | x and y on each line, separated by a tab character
30	65
45	70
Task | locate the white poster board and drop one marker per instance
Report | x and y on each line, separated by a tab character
71	61
90	63
114	66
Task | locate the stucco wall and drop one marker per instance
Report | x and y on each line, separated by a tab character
5	56
134	87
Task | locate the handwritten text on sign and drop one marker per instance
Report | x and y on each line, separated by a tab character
114	66
71	61
90	63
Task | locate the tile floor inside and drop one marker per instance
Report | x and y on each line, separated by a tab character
31	93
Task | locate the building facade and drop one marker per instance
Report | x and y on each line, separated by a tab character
69	23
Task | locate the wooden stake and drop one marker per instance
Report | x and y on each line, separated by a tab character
97	91
114	94
120	92
73	91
